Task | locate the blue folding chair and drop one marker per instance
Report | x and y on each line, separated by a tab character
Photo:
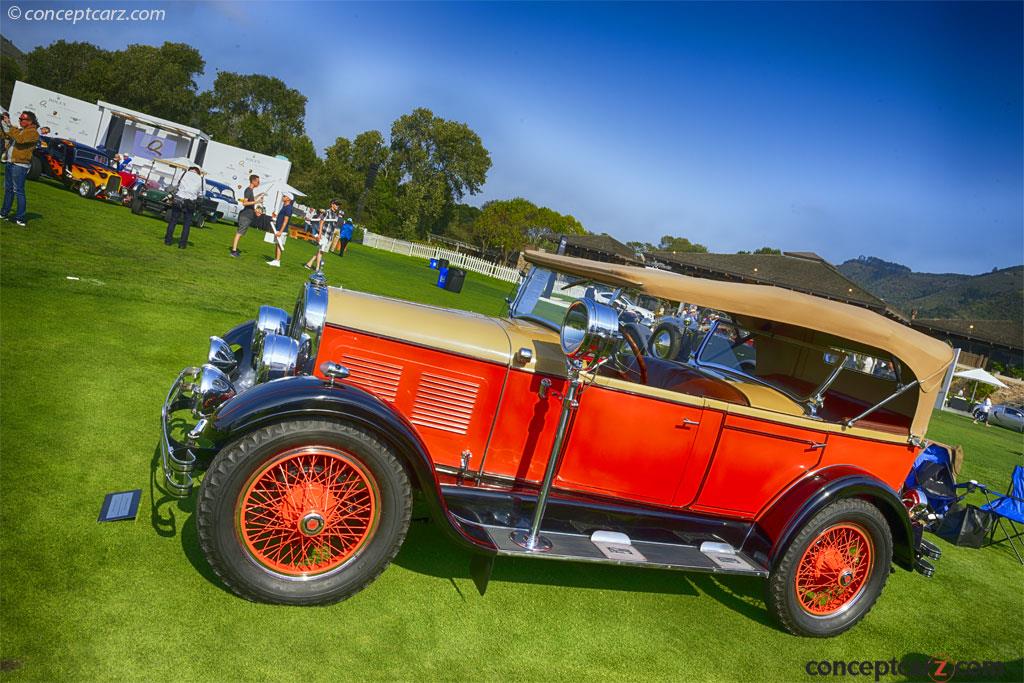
1008	507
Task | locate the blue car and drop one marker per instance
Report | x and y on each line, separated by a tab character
224	195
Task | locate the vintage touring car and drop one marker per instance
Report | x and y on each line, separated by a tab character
778	448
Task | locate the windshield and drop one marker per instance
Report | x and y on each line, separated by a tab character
223	193
544	297
92	157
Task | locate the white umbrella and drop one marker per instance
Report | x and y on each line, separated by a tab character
978	375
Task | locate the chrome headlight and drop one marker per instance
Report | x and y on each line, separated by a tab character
307	322
590	332
271	320
221	355
209	388
279	357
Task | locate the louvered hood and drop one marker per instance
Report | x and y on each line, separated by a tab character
467	334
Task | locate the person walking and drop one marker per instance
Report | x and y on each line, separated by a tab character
281	230
19	143
345	235
183	205
981	413
325	234
245	217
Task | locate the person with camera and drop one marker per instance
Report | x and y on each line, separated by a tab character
183	205
19	143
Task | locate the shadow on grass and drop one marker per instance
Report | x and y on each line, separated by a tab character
166	523
427	551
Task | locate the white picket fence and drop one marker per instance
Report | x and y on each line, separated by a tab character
428	251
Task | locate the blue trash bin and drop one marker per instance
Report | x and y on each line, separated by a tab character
442	277
433	263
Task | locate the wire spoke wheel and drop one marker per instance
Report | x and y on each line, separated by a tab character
833	570
308	511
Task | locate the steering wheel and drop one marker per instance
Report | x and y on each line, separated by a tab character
641	364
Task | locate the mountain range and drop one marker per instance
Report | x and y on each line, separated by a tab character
998	295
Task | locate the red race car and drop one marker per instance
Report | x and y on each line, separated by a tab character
776	447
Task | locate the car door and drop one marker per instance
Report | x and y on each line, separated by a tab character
632	446
754	461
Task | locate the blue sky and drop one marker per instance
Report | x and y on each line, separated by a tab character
885	129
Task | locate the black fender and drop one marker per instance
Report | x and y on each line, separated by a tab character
775	529
305	396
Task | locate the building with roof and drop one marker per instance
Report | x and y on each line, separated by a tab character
797	270
980	341
603	248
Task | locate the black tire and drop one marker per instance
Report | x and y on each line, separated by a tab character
665	342
238	467
138	205
782	598
35	169
86	189
200	221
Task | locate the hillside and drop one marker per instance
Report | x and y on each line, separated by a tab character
998	295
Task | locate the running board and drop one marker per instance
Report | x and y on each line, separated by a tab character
611	547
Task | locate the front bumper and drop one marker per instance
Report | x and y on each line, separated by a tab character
178	460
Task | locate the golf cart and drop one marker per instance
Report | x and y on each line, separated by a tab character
157	200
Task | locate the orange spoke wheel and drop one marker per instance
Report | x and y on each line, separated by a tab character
834	569
308	511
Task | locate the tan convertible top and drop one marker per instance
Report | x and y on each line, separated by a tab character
927	358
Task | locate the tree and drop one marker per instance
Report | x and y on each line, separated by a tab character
369	154
462	220
762	250
503	223
510	224
252	111
435	162
681	244
156	80
10	71
75	69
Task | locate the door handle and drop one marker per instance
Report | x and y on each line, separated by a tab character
815	446
687	422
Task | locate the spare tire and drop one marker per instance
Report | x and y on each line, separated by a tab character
665	342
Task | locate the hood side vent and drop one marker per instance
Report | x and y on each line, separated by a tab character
379	378
444	403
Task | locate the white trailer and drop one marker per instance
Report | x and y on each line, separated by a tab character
233	166
65	116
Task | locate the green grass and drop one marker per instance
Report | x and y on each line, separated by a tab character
84	366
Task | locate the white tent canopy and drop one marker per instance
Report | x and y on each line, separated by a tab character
979	375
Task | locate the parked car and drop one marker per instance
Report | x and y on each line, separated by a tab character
550	434
157	200
224	195
87	170
622	302
1007	416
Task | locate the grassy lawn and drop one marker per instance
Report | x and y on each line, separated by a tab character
84	366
